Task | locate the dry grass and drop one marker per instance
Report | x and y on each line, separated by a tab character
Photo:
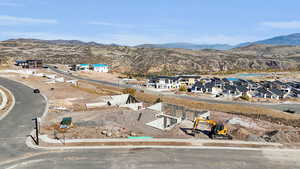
95	88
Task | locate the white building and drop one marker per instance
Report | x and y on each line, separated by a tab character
84	67
100	67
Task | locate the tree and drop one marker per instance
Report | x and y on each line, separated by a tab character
158	100
130	91
182	88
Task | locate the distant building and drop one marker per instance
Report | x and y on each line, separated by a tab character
164	82
30	64
188	80
21	63
34	64
88	67
84	67
100	67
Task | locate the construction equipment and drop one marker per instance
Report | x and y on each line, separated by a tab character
217	131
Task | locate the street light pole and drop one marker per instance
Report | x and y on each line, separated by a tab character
37	141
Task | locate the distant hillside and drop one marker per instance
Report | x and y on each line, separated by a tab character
57	42
147	61
188	46
292	39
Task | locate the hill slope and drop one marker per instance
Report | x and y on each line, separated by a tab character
156	60
188	46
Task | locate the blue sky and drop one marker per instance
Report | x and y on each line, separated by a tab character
131	22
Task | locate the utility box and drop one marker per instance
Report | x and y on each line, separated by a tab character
66	122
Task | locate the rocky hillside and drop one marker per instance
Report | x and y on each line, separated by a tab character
155	60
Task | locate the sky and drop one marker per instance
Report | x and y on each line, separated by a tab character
133	22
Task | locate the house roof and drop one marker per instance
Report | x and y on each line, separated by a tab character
166	77
277	92
242	88
20	61
264	91
100	65
84	64
295	91
189	76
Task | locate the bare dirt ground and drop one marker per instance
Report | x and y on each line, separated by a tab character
109	122
109	77
256	129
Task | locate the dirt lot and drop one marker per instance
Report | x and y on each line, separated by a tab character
245	128
109	122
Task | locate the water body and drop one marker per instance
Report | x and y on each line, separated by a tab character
232	79
252	74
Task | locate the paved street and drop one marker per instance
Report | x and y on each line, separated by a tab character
281	107
18	123
15	154
159	159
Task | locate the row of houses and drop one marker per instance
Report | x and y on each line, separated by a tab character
263	89
172	82
91	67
30	64
228	86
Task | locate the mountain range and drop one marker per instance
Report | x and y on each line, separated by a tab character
292	39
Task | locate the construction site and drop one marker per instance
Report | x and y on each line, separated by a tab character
80	109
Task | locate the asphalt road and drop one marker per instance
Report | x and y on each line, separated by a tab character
15	155
18	123
281	107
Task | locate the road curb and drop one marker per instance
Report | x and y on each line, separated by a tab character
12	104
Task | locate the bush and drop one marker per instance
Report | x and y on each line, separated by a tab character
129	91
158	100
245	97
182	88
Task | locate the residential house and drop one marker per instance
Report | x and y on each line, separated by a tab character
265	93
100	67
280	94
231	90
33	64
188	80
210	88
295	93
83	67
164	82
22	63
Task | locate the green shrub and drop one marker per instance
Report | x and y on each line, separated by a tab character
182	88
129	91
158	100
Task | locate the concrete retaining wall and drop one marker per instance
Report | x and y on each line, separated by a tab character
95	105
133	106
181	112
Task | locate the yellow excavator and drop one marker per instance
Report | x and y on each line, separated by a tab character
217	131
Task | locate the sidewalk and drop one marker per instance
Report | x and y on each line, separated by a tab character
48	143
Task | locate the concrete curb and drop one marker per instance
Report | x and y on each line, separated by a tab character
46	139
31	145
198	144
11	106
4	99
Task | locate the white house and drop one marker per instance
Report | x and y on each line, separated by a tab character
100	67
84	67
164	82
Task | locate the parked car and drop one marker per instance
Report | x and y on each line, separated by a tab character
36	91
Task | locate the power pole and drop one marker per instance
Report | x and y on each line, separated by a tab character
37	141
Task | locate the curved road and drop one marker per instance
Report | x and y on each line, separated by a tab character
281	107
15	154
